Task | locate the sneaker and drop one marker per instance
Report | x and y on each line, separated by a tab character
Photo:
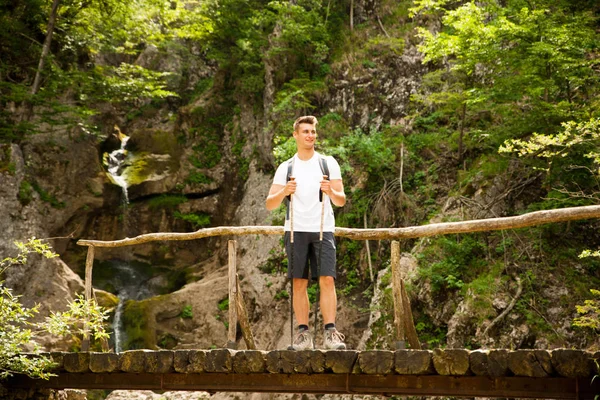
303	341
333	340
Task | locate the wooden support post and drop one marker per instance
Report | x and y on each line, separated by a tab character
89	264
397	292
410	330
231	333
243	316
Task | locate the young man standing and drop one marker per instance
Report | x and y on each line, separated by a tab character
306	181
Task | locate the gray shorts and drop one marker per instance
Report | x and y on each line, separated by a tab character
306	254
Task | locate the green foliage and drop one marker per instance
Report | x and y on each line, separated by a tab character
589	313
198	220
207	153
166	201
570	158
82	318
47	197
450	262
187	312
434	336
276	263
282	294
224	305
135	321
534	57
25	193
16	329
198	178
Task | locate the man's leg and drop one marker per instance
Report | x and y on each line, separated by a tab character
328	299
301	304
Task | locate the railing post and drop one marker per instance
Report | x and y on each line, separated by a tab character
243	317
397	292
89	264
231	333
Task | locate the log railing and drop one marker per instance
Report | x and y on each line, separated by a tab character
490	224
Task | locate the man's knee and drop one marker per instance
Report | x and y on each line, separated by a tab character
327	283
300	284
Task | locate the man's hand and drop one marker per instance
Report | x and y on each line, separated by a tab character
290	187
335	190
326	185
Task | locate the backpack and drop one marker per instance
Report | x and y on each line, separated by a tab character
290	167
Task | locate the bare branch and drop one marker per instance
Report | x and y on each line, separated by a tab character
490	224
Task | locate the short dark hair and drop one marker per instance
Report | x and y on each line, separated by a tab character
306	119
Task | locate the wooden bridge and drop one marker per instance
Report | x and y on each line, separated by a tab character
556	374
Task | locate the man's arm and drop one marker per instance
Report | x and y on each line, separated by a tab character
335	190
279	192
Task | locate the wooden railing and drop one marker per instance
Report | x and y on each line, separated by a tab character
403	318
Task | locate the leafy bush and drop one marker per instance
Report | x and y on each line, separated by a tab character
166	201
15	327
187	312
197	220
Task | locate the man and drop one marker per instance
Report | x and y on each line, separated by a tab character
307	179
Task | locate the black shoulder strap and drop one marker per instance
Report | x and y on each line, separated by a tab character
324	167
290	167
288	176
325	171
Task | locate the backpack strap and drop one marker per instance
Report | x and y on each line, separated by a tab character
288	176
325	171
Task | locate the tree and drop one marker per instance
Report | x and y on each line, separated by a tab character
16	330
530	65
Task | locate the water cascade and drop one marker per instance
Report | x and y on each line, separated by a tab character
116	161
129	281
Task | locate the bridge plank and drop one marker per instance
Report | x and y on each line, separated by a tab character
378	362
181	360
197	360
76	362
104	362
219	360
133	360
249	361
159	362
572	363
281	361
451	361
414	362
489	362
340	362
533	363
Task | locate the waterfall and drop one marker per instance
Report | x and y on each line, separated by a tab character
116	166
129	281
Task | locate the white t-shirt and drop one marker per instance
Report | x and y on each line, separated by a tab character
307	207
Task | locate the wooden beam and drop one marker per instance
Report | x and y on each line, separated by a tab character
243	317
478	225
397	294
89	264
231	331
409	385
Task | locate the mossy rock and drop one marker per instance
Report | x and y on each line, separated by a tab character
106	299
135	319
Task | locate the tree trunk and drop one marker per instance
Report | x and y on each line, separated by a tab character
462	132
445	228
46	47
351	15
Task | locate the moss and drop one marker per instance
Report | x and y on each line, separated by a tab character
47	197
106	299
25	193
166	201
135	320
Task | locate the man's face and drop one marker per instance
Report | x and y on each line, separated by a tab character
305	135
